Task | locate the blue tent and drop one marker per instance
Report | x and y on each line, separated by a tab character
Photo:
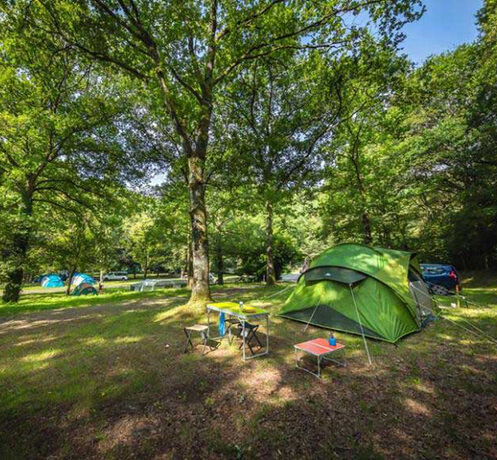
82	278
51	281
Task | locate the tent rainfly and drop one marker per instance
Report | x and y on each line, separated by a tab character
51	281
82	278
375	292
84	289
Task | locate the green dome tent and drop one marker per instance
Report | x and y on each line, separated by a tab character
375	292
84	289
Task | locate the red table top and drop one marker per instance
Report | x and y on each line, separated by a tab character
318	347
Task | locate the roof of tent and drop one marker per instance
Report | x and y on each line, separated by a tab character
82	278
388	266
52	281
375	280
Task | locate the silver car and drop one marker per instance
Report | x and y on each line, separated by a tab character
116	276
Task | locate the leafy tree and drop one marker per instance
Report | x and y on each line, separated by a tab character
56	121
72	245
281	115
142	240
107	229
420	162
448	155
186	51
359	188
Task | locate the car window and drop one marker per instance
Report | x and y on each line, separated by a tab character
433	271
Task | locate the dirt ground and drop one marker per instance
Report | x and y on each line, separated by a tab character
112	381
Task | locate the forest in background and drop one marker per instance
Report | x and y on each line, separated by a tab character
303	131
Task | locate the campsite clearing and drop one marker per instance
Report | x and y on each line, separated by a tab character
111	380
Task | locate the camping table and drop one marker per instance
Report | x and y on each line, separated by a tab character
233	309
319	348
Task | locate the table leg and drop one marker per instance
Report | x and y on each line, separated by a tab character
243	339
267	333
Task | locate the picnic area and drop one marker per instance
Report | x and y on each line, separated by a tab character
111	379
259	229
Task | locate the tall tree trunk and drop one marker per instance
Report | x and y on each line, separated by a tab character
69	280
19	251
355	149
196	154
270	271
366	228
189	262
200	247
219	259
20	245
145	269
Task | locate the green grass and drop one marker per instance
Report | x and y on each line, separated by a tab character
55	300
52	301
106	377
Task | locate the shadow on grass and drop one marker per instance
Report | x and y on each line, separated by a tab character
40	302
104	384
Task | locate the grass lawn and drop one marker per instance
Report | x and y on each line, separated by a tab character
106	377
32	288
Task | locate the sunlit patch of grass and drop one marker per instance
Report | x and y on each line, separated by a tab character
110	363
42	356
38	302
127	339
94	341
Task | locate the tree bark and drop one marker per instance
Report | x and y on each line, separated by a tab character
145	269
13	287
354	158
69	281
366	228
20	246
189	262
219	259
270	271
200	247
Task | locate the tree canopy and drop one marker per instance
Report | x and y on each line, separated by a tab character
238	137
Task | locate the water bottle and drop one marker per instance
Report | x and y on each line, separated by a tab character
332	341
241	305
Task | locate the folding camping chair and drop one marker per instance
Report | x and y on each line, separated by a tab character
250	332
204	334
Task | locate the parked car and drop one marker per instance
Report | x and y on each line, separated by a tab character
441	275
116	276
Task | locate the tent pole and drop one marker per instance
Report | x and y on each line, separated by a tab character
312	316
360	324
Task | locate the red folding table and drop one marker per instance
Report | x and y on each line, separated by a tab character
319	348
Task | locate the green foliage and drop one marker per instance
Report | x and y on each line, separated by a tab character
277	130
419	163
